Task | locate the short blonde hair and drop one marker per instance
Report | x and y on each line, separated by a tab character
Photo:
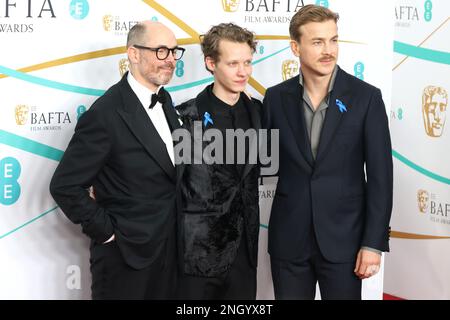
309	13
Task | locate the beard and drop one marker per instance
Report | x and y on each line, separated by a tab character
162	77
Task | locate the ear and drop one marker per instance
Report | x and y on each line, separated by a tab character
133	54
295	47
210	64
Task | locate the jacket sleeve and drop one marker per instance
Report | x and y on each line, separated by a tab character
266	124
83	159
265	117
379	171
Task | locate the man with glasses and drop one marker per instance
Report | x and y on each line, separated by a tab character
123	147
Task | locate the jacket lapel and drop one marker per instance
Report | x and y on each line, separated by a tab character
143	129
170	113
255	120
333	116
202	103
292	105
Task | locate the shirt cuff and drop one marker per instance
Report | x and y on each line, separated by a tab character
372	249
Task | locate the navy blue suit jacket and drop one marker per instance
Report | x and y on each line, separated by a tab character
345	194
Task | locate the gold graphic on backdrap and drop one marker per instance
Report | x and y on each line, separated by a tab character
434	109
420	44
415	236
107	21
230	5
423	198
289	69
123	66
21	114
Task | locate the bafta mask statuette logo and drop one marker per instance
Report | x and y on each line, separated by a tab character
107	21
230	5
434	107
123	66
21	112
422	200
289	69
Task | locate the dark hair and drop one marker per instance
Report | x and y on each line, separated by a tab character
309	13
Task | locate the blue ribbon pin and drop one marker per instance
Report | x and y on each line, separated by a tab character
342	107
207	118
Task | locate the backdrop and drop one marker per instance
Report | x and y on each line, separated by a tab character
417	267
59	56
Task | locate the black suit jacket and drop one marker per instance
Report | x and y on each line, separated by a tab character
331	196
217	202
117	150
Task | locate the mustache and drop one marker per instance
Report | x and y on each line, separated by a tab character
168	67
328	57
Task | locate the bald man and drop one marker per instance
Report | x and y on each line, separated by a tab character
122	146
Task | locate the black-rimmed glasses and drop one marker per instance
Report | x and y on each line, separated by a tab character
163	52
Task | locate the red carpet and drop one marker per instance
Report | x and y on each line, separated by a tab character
391	297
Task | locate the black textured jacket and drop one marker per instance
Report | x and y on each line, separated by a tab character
217	203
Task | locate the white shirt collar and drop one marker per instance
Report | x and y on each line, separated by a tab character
143	93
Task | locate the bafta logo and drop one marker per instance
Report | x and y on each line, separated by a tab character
230	5
107	21
422	200
434	107
123	66
289	69
21	112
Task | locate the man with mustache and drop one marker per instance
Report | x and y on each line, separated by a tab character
122	146
330	216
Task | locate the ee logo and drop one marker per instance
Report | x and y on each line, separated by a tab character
359	70
179	68
9	187
428	15
79	9
80	110
323	3
400	114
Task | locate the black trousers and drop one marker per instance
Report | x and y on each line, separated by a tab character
239	283
296	280
113	279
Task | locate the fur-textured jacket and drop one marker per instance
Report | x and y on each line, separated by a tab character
217	203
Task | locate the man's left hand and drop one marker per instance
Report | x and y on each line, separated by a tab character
367	264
